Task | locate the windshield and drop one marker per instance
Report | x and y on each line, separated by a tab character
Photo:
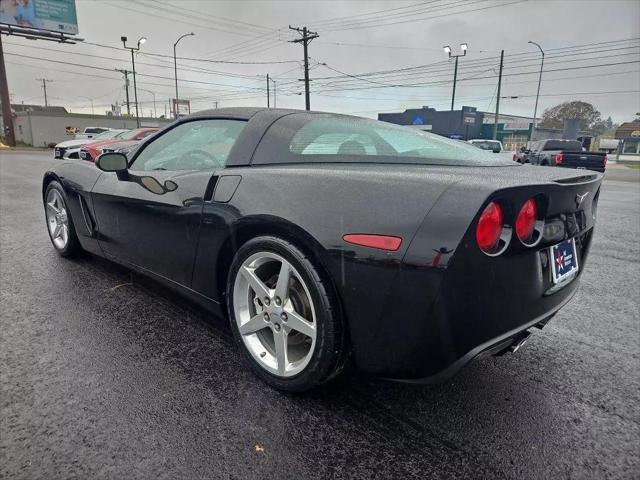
109	134
486	145
563	145
329	138
136	133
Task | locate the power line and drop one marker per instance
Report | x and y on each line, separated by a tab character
386	11
214	17
338	81
576	49
418	18
159	55
425	8
143	75
421	84
173	19
479	63
195	70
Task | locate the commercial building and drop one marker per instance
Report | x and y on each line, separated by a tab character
628	134
39	126
513	131
461	124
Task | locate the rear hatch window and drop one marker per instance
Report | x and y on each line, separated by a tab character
325	138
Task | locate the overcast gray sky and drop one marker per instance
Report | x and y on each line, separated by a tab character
593	54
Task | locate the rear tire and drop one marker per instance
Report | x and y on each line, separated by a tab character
60	227
284	315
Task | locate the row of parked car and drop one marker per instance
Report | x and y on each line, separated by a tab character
116	140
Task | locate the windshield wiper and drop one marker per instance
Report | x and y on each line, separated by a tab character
159	168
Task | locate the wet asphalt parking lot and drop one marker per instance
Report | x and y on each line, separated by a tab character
106	375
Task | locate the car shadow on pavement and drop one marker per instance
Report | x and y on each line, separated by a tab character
464	423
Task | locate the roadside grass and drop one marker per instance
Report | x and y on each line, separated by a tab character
636	167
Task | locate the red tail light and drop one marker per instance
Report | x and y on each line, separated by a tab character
559	158
489	227
606	159
382	242
526	220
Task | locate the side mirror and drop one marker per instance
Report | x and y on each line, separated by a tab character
496	150
112	162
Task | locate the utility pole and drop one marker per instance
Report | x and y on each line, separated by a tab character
7	117
268	94
535	110
126	87
495	121
44	87
306	38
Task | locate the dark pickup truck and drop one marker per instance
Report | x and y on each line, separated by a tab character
565	153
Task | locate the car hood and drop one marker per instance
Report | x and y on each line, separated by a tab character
76	142
121	143
101	143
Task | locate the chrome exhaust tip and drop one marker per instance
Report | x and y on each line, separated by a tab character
519	341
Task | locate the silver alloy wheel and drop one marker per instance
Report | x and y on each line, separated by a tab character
57	219
274	313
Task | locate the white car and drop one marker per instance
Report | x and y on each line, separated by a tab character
494	146
70	149
91	132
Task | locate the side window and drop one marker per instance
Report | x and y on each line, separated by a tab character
194	145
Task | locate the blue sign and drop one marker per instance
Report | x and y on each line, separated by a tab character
418	121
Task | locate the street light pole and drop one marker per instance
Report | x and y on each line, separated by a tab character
155	113
141	41
175	70
447	50
535	110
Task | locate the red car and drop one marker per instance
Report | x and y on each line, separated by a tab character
91	151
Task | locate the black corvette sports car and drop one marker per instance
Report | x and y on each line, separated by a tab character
328	238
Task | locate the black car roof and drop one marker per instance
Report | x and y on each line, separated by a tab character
245	113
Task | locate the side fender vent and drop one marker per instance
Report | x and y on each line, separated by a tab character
86	216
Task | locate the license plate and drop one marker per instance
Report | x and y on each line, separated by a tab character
564	261
58	153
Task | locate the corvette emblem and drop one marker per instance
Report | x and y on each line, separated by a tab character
579	198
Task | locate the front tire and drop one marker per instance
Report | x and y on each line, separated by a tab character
62	232
284	315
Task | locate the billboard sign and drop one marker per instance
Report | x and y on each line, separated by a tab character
181	108
52	15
